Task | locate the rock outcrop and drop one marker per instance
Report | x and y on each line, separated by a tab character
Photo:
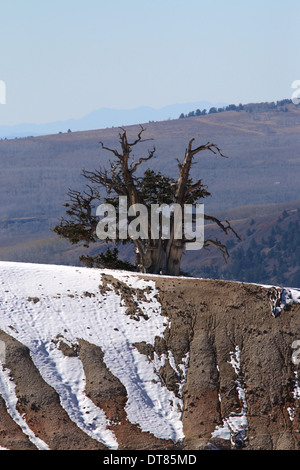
227	356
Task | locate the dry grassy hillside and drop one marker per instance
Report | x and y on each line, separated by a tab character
263	164
262	170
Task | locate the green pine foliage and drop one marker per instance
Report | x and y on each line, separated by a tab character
275	259
109	260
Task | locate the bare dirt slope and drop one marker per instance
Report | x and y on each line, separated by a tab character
239	390
210	319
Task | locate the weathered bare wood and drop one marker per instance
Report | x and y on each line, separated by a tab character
153	255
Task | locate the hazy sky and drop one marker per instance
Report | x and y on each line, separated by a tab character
62	59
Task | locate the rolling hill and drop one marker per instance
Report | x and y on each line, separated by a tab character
261	176
102	118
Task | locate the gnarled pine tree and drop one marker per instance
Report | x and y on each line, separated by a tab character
153	255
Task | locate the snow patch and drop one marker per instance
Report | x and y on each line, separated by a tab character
296	396
8	392
63	309
235	425
281	297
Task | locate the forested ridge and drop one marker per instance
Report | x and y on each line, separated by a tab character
269	253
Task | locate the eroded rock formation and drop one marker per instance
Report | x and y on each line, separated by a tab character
224	355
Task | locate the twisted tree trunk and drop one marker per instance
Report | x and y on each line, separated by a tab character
153	254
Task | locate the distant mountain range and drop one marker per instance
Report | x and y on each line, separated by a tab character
105	117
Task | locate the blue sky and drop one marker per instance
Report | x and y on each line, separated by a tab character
63	59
